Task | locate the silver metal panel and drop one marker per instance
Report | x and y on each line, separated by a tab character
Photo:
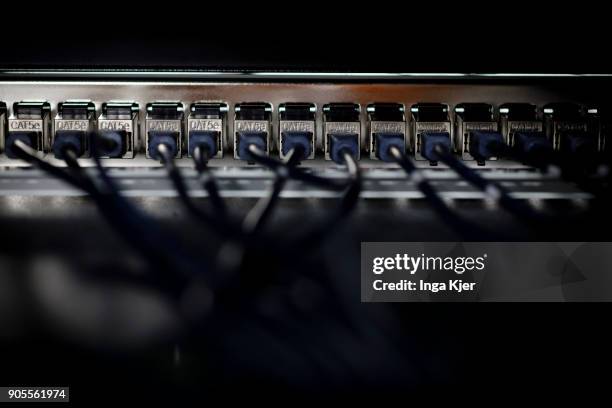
143	92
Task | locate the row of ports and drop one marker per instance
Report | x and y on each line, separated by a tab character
563	127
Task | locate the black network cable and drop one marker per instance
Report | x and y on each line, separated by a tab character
536	151
493	190
236	254
31	156
154	244
348	202
552	162
28	154
462	226
222	226
122	217
159	244
300	174
351	187
531	149
288	170
201	154
257	217
291	249
351	196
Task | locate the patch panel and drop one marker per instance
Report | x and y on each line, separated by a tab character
521	124
386	124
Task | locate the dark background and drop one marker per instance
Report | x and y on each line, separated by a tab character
348	36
